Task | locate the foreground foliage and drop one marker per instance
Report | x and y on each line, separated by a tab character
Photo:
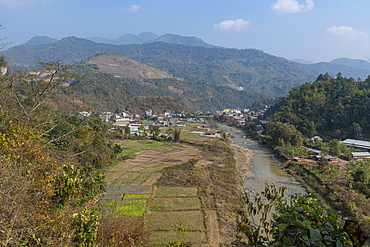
49	161
272	219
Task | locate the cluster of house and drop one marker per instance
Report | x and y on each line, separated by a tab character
134	121
241	116
362	146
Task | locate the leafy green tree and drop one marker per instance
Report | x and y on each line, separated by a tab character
272	219
360	172
176	134
142	129
85	226
117	149
154	130
357	130
285	133
334	147
127	130
303	222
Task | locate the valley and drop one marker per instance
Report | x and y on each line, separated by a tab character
137	159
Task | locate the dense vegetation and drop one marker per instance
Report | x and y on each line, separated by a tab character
105	92
270	219
334	108
331	107
50	162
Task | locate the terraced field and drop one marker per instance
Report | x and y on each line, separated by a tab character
171	212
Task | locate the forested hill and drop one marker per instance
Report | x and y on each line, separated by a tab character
249	69
331	107
102	91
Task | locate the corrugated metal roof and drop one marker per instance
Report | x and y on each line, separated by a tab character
362	154
356	143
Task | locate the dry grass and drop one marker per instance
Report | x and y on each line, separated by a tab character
116	232
161	238
172	220
164	191
169	204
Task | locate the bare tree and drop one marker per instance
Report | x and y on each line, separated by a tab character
2	43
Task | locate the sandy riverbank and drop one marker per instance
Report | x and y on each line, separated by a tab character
242	157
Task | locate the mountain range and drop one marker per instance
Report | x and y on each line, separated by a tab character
127	39
205	74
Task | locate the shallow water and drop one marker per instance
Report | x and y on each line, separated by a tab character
263	166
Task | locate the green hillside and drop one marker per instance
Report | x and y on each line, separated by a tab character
331	107
103	91
249	69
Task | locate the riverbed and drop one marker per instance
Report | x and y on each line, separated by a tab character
261	166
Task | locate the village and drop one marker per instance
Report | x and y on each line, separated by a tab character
140	125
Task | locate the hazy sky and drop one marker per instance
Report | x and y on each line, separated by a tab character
307	29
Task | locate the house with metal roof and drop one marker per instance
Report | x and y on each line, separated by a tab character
362	145
360	155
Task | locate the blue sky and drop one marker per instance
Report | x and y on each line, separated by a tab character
306	29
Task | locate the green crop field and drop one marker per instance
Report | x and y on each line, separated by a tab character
126	208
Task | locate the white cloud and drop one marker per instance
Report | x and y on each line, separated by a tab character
134	8
233	25
348	32
292	6
20	3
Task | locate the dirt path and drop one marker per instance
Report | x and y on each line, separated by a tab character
213	228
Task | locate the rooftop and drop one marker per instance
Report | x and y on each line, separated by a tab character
356	143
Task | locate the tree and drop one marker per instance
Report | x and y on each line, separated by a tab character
2	43
285	133
154	130
357	131
272	219
334	147
127	130
142	129
176	134
32	98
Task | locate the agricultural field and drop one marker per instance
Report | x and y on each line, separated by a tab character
169	186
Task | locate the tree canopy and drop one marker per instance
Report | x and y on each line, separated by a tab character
331	107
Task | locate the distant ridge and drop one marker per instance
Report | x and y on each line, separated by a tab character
302	61
181	40
149	37
333	68
354	63
127	39
41	40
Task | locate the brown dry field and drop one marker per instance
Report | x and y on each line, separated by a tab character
194	188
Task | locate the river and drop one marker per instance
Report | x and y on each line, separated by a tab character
263	166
